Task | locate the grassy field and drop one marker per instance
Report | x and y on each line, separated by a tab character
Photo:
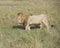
35	38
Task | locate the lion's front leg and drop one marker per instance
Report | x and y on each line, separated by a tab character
27	27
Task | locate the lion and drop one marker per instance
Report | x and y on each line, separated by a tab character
28	19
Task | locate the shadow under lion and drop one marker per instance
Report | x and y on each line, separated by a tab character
23	27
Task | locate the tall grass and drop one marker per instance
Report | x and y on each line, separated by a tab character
35	38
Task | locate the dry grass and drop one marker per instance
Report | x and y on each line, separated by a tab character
35	38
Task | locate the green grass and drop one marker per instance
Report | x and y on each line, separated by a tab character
35	38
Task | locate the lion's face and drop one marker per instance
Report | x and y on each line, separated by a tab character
20	18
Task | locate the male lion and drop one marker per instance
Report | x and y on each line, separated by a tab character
27	20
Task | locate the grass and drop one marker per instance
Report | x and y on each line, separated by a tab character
35	38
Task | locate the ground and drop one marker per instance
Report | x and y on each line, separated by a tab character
16	37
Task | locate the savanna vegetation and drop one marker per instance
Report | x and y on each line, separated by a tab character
12	36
